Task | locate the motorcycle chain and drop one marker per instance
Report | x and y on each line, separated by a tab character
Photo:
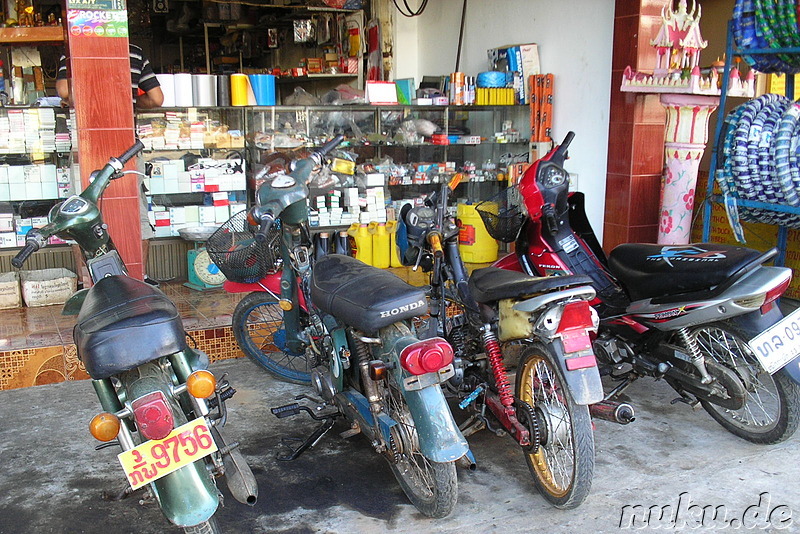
527	416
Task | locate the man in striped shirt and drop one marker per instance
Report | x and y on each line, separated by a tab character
144	84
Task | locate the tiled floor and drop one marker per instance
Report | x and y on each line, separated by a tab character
36	345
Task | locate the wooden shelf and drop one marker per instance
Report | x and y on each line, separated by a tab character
27	35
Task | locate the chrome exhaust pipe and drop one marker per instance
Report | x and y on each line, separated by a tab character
617	412
467	461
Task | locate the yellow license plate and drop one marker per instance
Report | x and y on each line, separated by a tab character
156	458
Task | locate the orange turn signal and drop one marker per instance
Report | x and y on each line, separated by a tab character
286	305
201	384
104	426
378	370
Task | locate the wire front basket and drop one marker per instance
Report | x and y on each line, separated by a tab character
234	249
503	215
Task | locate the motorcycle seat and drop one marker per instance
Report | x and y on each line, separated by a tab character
491	284
363	296
657	271
124	323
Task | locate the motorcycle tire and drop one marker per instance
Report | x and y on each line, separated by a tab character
259	330
771	412
206	527
432	487
563	463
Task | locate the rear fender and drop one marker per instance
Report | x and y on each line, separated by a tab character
440	440
75	303
584	384
187	496
755	322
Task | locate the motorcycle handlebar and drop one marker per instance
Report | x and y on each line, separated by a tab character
435	239
266	224
564	146
32	244
137	147
330	145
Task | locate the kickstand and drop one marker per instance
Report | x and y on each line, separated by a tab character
309	442
293	409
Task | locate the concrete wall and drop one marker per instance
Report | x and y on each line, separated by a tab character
575	44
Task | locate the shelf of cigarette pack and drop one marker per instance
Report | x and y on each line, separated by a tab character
33	34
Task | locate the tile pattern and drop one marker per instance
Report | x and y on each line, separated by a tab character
37	347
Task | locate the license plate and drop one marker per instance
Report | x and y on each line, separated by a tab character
156	458
779	344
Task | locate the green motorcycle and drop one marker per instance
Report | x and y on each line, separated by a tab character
163	407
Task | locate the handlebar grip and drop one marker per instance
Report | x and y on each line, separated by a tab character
266	224
330	145
436	244
137	147
562	148
24	254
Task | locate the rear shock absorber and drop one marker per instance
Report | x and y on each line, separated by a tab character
694	352
492	348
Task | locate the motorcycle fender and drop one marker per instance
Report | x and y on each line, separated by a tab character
440	440
187	496
74	303
755	322
584	384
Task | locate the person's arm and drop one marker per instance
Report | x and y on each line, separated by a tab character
62	83
62	89
154	98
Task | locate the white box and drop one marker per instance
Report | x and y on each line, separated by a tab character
6	222
156	185
3	174
207	214
375	179
33	190
16	174
163	231
221	214
5	192
8	239
49	189
32	173
191	214
177	216
48	172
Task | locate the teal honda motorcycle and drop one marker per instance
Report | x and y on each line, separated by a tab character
162	406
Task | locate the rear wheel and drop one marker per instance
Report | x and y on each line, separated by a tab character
430	486
771	410
259	329
563	464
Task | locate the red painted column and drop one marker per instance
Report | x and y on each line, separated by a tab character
99	70
636	131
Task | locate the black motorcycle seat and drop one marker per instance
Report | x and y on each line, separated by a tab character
363	296
491	284
653	271
124	323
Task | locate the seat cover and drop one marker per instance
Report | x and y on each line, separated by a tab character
363	296
651	271
124	323
491	284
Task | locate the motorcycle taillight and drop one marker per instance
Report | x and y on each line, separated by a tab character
576	321
773	294
153	415
426	356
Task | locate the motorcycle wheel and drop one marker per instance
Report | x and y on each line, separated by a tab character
771	411
206	527
430	486
259	330
563	464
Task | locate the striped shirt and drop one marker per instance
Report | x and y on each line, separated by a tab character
142	75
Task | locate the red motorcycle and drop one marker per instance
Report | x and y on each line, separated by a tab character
703	317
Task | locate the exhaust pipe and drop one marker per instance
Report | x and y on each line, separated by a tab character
616	412
467	461
238	475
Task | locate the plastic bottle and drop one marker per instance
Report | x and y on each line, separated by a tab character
323	245
342	243
363	242
394	251
380	245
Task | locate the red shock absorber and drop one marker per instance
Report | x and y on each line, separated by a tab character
492	348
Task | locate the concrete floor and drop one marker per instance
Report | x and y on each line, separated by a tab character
52	480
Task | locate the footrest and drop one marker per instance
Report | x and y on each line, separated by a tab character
288	410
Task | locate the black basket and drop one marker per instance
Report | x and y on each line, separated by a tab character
234	249
503	215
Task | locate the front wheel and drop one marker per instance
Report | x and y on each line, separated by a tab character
430	486
259	330
771	410
563	463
